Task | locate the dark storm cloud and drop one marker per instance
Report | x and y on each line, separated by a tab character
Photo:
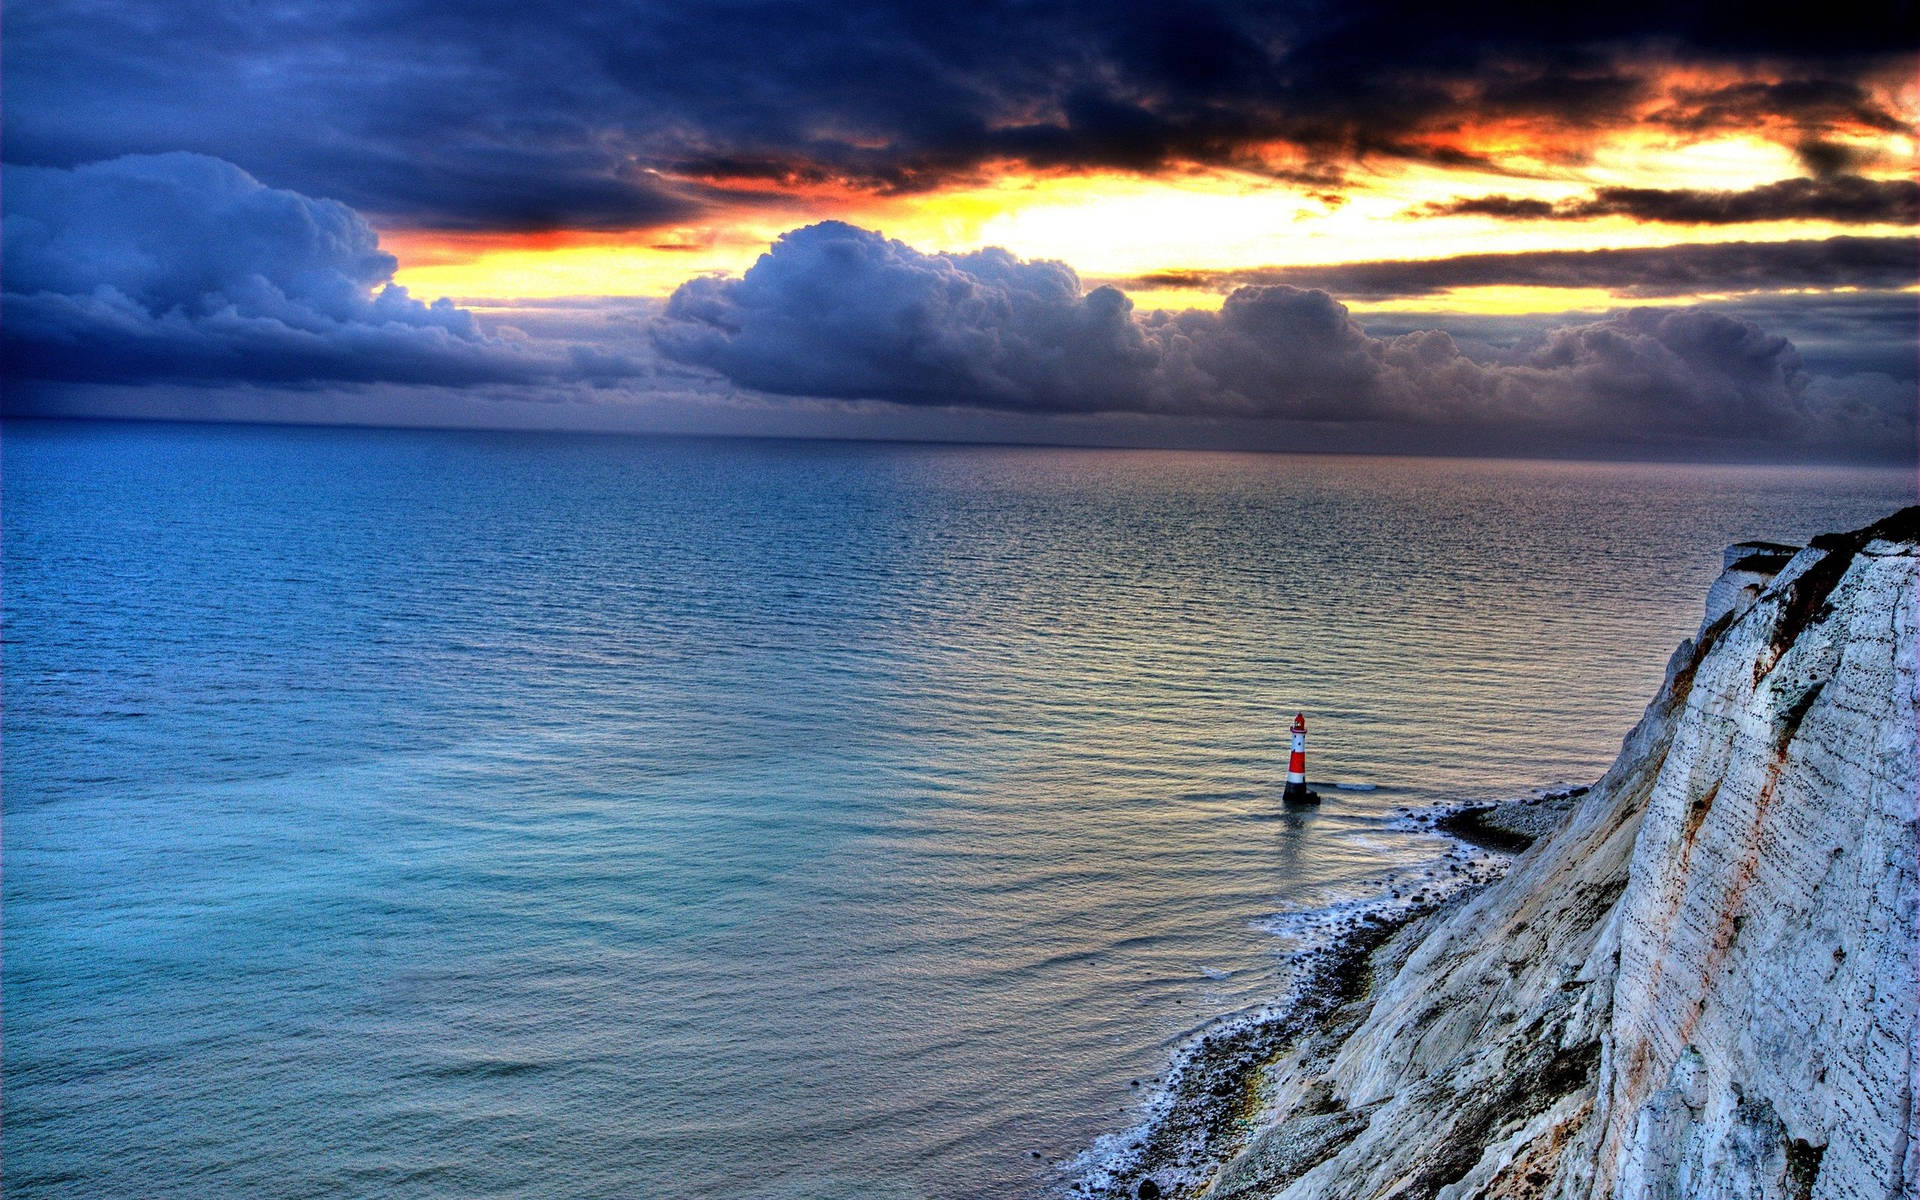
837	311
1846	199
1836	333
496	115
1710	267
178	266
1823	158
1845	333
1812	103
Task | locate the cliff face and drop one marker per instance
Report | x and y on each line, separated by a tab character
1704	983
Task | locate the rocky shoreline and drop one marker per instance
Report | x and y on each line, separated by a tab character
1220	1084
1216	1090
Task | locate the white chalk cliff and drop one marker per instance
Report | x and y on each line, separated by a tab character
1703	984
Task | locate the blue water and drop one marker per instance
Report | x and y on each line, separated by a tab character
452	814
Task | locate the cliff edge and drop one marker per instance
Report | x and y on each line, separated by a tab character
1703	983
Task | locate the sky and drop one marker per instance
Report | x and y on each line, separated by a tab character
1633	229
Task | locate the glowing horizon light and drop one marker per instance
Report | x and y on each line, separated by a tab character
1116	225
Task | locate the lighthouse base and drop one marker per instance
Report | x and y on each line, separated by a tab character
1299	793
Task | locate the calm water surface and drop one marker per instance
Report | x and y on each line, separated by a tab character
433	815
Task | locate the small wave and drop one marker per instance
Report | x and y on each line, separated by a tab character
484	1068
1404	893
1229	797
1356	787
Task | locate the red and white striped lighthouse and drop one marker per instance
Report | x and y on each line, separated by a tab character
1297	792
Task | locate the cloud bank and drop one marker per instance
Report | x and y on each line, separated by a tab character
836	311
178	272
179	266
1845	199
1850	262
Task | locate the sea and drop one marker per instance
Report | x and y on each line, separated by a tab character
458	814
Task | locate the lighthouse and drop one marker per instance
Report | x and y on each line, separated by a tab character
1297	792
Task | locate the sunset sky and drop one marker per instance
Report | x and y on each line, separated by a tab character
1627	228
